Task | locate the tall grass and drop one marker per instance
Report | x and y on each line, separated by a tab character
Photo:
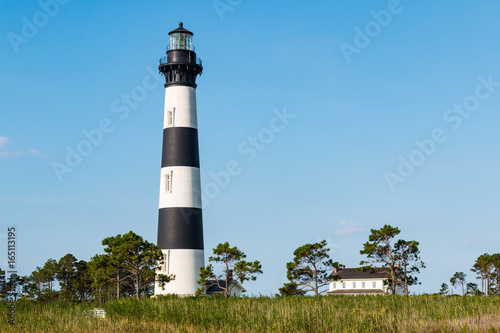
298	314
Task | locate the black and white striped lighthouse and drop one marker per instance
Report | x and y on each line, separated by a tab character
180	227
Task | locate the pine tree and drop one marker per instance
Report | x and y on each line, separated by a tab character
310	270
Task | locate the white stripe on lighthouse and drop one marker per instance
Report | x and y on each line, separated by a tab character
180	187
181	100
185	264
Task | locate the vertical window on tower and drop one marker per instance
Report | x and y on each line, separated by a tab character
168	182
170	117
167	262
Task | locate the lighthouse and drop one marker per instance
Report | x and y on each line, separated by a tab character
180	225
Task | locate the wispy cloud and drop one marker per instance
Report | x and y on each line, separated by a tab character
468	241
37	200
10	153
31	152
348	227
34	152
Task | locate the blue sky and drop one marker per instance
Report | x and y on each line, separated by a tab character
353	116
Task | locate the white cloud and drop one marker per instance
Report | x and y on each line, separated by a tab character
468	241
10	153
35	152
348	227
32	152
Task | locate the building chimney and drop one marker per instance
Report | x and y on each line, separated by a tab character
335	270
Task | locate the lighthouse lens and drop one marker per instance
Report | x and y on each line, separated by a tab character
181	41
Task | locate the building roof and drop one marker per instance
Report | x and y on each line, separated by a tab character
213	287
356	291
355	273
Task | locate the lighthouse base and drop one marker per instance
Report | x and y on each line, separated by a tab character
185	265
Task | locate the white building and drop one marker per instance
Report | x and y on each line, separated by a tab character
354	282
218	287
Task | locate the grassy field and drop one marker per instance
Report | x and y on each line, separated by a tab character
299	314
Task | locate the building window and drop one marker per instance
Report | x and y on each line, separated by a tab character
374	284
166	258
168	182
354	285
334	285
171	117
343	284
362	284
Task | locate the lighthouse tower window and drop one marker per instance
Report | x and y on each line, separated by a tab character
170	117
166	259
168	182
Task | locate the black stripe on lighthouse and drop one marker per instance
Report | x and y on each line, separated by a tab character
180	228
180	147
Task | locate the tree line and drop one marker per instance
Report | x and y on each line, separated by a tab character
311	270
487	269
129	268
126	269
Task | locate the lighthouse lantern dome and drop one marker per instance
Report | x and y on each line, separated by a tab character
181	39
